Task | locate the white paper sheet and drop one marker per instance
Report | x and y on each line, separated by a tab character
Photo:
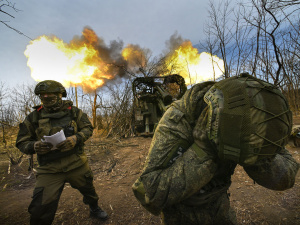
55	138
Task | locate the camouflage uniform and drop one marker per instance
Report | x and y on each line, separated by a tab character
56	168
186	182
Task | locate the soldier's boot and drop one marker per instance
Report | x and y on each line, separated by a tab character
98	213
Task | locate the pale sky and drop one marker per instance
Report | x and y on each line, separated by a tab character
148	23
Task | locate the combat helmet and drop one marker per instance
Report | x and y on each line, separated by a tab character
249	119
50	86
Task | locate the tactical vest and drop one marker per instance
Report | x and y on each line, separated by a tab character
46	124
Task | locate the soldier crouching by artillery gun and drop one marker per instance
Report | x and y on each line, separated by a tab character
152	95
200	140
295	136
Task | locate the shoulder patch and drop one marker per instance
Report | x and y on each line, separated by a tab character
176	115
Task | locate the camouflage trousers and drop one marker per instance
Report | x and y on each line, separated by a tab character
48	190
217	212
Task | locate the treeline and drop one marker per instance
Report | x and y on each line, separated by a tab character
109	108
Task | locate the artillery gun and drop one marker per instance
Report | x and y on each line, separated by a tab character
152	95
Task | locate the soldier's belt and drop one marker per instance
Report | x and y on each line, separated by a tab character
199	198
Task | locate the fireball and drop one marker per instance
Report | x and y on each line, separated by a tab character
77	63
193	66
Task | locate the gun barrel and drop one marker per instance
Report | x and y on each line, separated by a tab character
161	105
166	97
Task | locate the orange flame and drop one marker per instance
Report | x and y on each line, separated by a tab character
192	66
77	63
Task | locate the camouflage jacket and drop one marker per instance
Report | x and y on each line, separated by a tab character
39	123
177	173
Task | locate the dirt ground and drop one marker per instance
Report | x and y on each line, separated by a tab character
116	165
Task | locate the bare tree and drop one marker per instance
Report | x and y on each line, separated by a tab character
4	6
219	31
270	18
8	126
116	111
291	63
3	114
7	116
24	98
260	37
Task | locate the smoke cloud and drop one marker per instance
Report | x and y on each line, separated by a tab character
174	42
112	63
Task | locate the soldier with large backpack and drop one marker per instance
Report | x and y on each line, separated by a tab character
65	163
200	140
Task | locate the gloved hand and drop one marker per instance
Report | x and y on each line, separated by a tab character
42	148
67	144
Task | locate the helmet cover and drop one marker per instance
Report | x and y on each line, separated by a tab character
50	86
249	119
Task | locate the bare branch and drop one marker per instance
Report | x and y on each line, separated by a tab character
12	6
19	32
